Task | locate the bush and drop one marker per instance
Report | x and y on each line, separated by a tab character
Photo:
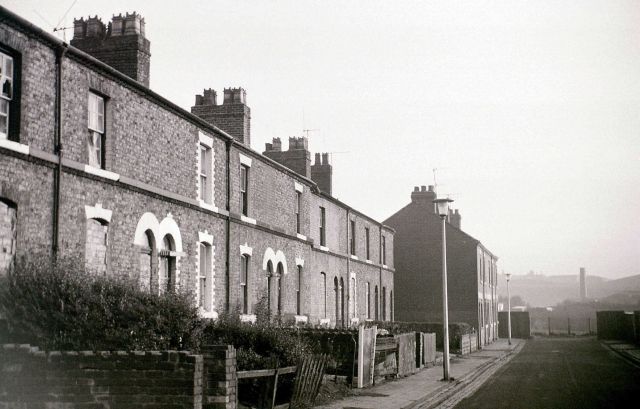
265	344
60	306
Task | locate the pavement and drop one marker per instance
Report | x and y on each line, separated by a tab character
426	389
628	351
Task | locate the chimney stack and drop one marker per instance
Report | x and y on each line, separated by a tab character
233	116
423	197
455	219
297	157
122	44
322	172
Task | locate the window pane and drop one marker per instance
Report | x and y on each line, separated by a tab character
203	286
96	113
8	66
4	126
243	270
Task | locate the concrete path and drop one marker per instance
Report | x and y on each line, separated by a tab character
425	389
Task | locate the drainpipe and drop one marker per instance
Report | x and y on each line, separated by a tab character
57	132
380	260
348	272
227	303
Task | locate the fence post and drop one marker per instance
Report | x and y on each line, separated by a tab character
569	325
549	324
589	324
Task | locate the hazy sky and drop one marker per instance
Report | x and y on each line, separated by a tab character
530	110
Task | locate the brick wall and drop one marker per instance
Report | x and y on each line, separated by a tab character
220	381
151	156
30	378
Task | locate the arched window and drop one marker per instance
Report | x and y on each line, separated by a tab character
324	294
205	277
167	278
336	290
342	302
384	303
244	283
279	288
269	278
148	265
96	246
299	292
377	317
8	233
368	301
352	297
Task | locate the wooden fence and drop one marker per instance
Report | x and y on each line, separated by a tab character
307	382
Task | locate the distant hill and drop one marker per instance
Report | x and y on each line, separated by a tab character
539	290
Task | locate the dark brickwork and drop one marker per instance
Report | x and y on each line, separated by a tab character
30	378
150	184
121	44
296	157
471	269
322	173
233	116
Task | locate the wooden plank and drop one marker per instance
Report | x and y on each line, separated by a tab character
259	373
387	347
275	390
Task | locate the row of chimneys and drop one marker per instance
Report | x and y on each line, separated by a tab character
427	196
122	45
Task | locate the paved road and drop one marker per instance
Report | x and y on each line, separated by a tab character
560	373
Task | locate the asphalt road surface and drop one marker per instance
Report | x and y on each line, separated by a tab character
560	373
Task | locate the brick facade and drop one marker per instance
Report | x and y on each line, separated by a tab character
471	269
146	197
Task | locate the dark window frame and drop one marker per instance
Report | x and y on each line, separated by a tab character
14	117
323	226
244	189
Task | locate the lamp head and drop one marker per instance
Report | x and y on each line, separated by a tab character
443	206
507	276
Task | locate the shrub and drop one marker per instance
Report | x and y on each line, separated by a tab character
265	344
60	306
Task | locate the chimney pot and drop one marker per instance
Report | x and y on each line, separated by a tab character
416	189
431	188
423	188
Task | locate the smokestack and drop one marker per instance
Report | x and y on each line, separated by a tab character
583	283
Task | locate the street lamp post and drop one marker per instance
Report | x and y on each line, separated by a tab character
508	277
443	211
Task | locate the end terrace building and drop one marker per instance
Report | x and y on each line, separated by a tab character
471	269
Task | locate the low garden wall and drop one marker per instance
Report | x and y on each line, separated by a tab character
30	378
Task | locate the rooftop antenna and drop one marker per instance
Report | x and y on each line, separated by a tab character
306	131
60	25
435	181
336	153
